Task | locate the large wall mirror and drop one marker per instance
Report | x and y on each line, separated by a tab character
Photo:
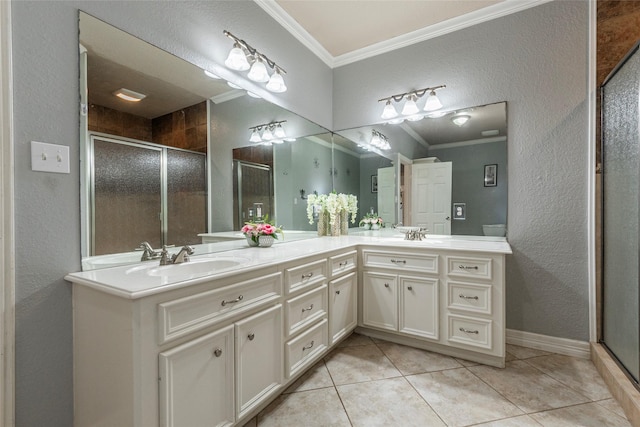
178	167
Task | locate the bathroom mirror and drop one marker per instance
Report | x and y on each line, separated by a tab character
148	166
476	148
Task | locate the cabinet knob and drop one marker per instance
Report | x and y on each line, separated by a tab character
251	336
217	352
410	288
386	285
337	292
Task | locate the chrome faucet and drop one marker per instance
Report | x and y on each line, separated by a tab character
148	253
179	258
416	234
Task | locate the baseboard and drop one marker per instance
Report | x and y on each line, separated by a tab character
564	346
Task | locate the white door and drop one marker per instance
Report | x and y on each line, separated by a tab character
419	306
380	300
387	195
431	196
343	306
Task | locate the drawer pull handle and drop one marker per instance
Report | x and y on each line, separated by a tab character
475	297
410	288
337	292
344	264
233	301
398	261
468	267
307	276
251	336
217	352
386	285
308	308
468	331
307	347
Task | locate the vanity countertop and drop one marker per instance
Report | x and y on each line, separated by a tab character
135	281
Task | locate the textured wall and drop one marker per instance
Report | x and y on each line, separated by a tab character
536	60
47	206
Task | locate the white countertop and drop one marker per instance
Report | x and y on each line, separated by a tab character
135	281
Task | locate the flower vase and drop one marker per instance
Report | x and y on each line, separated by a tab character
265	241
323	224
251	242
375	226
335	227
344	222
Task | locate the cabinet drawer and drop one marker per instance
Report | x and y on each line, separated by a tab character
470	331
186	315
479	268
472	297
344	263
305	276
425	263
301	351
305	309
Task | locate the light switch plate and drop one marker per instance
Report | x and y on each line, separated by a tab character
49	157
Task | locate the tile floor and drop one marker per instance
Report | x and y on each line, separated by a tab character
367	382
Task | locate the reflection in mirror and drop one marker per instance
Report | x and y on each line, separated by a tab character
439	164
185	118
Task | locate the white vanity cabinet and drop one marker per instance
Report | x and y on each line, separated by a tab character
446	301
343	295
400	302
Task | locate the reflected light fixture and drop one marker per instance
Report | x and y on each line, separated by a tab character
272	132
378	141
243	57
129	95
461	119
410	109
211	75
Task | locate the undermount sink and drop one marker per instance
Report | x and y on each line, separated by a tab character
192	268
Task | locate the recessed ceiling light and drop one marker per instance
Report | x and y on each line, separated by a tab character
211	75
492	132
233	85
129	95
460	120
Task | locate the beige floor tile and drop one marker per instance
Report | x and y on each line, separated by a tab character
460	398
587	415
411	360
253	422
521	421
389	402
508	357
524	352
349	365
355	339
465	362
316	377
613	406
579	374
308	408
527	387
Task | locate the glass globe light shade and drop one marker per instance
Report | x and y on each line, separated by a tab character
389	111
433	103
258	72
276	82
410	108
237	60
255	136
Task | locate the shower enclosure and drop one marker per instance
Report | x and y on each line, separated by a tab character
621	214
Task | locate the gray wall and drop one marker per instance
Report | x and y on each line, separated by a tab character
47	207
536	60
484	205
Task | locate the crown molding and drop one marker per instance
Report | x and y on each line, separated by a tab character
498	10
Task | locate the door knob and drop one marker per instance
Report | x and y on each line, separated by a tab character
448	218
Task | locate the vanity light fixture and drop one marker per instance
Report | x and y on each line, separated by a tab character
379	140
271	133
461	119
243	57
410	110
129	95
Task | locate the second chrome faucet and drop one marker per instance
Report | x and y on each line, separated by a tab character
178	258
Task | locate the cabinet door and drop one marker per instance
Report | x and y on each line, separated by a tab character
419	306
196	382
259	358
380	301
343	301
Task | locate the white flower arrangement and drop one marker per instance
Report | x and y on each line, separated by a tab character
334	204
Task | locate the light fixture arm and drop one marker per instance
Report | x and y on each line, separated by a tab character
270	125
254	52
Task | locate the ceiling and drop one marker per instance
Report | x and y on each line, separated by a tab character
343	27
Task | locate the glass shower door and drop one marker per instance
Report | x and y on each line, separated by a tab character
621	213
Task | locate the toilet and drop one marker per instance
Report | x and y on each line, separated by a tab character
496	230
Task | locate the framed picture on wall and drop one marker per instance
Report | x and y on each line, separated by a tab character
490	175
374	183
